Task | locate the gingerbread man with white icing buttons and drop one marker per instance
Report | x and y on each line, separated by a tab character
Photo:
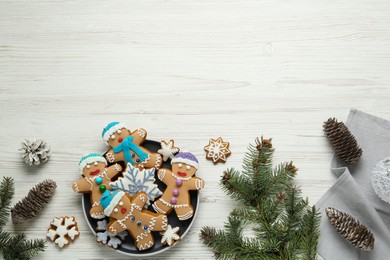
96	180
126	146
179	181
128	214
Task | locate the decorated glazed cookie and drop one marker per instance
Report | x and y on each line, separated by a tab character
96	180
170	236
179	181
128	214
126	146
135	180
62	230
168	150
217	150
103	237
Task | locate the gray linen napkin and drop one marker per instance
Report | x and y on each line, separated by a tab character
353	192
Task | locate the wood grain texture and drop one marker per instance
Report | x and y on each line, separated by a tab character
187	70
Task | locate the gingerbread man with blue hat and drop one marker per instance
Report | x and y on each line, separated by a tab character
128	214
126	147
97	178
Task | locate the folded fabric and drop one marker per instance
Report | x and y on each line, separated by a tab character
353	192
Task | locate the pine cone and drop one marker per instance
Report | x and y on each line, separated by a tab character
342	141
35	151
34	202
350	228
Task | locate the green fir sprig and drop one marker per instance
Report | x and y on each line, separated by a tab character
284	225
14	247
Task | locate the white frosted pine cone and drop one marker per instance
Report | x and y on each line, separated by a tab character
35	151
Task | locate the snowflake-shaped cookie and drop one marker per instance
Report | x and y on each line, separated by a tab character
63	230
217	150
136	180
170	235
168	150
105	238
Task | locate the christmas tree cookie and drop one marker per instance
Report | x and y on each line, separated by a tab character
96	180
126	146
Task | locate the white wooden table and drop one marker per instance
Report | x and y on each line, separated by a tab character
187	70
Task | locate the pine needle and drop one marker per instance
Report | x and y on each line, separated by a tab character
284	224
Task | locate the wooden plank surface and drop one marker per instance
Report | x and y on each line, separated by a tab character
186	70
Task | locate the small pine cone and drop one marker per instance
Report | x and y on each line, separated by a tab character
35	151
342	141
34	202
351	229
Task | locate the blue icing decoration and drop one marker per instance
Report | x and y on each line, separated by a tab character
127	145
89	156
99	180
109	126
107	197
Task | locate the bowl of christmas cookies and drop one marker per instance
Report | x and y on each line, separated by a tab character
140	197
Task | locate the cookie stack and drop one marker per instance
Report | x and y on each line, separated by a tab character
123	182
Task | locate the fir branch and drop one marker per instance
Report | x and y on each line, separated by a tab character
6	194
285	226
14	247
310	232
236	186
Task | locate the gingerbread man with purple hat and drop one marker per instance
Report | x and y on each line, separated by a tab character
179	182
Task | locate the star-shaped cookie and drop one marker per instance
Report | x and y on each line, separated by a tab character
168	150
170	235
217	150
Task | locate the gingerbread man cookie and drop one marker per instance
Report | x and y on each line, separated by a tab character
96	180
128	214
179	181
126	146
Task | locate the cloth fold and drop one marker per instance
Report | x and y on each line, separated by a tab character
353	192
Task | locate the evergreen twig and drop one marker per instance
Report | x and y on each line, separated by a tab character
6	194
14	247
284	225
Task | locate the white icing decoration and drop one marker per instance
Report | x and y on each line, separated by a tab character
161	174
88	166
188	167
115	210
112	137
90	160
157	209
170	235
110	157
76	187
146	246
186	216
135	180
112	130
173	206
65	229
119	131
180	165
158	162
199	184
217	150
141	132
168	150
186	161
121	203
